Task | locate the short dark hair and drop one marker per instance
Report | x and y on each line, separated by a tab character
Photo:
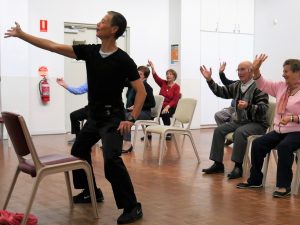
118	20
173	72
293	63
145	70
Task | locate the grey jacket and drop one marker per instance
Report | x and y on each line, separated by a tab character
257	100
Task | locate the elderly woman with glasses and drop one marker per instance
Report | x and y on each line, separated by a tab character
286	133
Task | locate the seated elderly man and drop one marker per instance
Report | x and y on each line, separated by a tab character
249	117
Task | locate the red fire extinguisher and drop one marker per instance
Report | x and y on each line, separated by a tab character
44	90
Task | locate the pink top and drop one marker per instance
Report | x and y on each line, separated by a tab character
171	94
278	89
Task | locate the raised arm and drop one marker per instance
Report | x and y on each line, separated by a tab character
82	89
156	78
256	65
150	63
206	73
62	49
223	78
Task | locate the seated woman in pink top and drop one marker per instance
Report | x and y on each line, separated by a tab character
286	133
171	91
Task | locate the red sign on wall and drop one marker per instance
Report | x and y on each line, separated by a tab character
43	71
43	25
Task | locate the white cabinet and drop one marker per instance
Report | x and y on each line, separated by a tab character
233	16
215	48
209	15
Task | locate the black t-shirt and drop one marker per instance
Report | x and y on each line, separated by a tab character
106	77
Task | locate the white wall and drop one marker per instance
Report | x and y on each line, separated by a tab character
190	54
175	34
277	34
149	38
153	29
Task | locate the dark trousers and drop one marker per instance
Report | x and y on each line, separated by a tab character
76	117
166	117
241	133
115	170
285	145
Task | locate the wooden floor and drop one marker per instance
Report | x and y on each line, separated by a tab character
175	193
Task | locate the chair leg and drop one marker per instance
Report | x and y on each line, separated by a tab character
265	169
176	145
161	149
9	144
88	172
194	146
135	135
296	182
145	143
11	188
246	161
68	183
32	196
1	130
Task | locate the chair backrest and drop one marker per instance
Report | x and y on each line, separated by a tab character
185	111
20	137
155	111
270	115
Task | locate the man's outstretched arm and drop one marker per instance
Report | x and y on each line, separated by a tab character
62	49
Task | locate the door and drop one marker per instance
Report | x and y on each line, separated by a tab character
75	72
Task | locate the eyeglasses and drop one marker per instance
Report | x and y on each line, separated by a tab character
242	69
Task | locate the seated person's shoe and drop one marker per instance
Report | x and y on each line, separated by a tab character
169	137
127	150
235	173
215	168
280	194
129	216
149	137
248	185
85	197
228	142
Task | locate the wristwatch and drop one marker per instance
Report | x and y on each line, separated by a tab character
130	118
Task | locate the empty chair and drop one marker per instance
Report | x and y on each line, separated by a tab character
155	114
40	166
184	115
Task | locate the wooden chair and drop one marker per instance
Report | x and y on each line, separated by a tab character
184	115
40	166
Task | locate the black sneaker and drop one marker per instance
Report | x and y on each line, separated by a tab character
247	185
279	194
132	215
84	196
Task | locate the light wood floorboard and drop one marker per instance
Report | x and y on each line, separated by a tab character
175	193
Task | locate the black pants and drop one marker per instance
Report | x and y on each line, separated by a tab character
285	144
166	117
76	117
115	170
